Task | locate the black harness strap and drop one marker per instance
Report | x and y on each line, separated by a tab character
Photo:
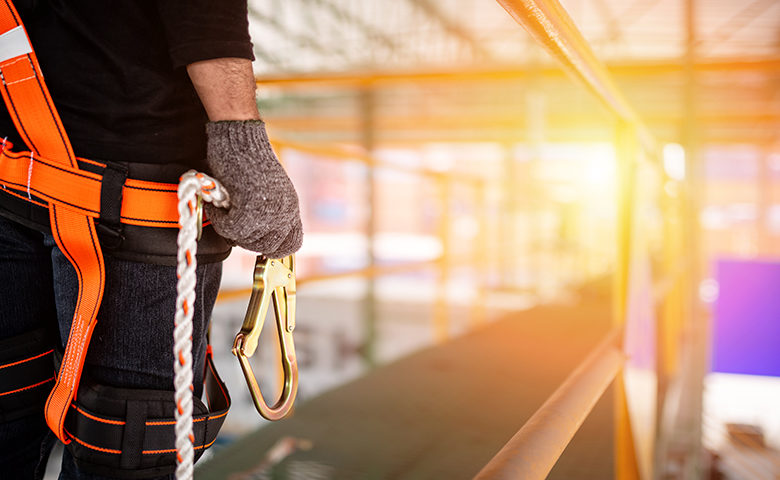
109	224
133	435
127	433
26	373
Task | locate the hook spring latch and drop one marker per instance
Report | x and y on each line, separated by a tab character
274	280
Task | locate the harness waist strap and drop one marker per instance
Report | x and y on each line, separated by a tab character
144	203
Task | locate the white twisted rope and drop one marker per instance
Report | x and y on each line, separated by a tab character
191	185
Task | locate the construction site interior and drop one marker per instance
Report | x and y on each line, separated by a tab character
542	240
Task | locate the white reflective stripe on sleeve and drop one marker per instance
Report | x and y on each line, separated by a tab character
14	43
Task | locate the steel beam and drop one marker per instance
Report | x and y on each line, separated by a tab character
368	139
358	78
635	12
302	40
436	120
268	57
369	31
228	295
412	137
688	434
611	22
738	22
628	155
453	28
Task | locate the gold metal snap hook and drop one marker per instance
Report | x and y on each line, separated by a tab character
274	279
199	216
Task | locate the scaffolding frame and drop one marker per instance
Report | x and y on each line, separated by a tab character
534	450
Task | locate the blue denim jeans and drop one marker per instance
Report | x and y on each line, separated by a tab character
132	344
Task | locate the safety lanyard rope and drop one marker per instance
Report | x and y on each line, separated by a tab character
193	187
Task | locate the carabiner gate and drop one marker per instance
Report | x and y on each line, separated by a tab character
273	279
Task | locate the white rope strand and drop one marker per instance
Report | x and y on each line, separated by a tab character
191	185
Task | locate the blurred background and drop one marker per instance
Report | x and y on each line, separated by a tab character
488	189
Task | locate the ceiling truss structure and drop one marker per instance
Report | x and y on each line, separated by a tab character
373	35
406	47
339	35
738	22
332	35
454	28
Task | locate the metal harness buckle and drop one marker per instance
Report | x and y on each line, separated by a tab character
273	279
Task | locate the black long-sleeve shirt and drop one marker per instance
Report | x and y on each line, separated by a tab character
116	72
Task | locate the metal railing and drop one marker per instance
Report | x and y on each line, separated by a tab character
534	450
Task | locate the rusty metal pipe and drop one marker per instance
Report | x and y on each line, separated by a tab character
533	451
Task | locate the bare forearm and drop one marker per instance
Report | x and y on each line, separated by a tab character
226	87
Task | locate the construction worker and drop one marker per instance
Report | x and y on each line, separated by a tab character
145	90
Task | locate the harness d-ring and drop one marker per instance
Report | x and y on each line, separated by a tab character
274	279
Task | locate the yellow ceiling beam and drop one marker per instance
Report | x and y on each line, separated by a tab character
308	123
369	78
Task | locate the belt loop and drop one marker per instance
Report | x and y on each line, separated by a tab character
109	225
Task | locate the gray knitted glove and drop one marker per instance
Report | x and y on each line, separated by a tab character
263	214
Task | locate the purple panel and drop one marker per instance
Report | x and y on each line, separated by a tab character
747	318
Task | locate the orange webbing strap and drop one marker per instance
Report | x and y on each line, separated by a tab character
144	203
39	125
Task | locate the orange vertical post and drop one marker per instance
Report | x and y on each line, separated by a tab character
626	465
441	315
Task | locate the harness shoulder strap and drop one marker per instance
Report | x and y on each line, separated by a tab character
36	119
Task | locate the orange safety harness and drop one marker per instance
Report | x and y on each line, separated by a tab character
108	430
49	175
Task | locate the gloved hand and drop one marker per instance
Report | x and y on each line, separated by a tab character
263	214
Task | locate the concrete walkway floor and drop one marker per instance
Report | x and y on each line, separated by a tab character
441	413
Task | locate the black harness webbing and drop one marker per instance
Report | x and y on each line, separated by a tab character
26	373
129	433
